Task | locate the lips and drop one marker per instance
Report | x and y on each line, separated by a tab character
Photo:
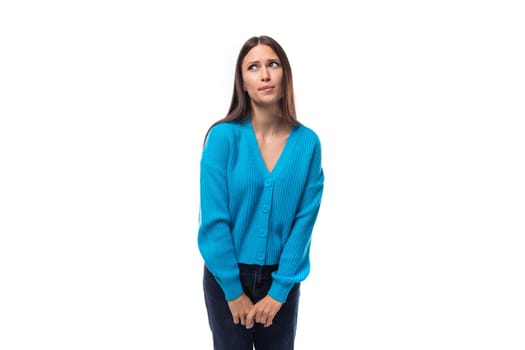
266	88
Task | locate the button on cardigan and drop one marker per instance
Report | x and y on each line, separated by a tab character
253	216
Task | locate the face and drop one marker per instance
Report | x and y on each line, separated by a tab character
262	75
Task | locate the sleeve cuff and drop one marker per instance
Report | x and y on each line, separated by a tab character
279	291
232	290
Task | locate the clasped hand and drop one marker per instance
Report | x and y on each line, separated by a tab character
247	313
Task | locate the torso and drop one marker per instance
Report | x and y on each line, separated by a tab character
271	149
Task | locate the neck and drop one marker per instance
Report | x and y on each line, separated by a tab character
269	125
266	116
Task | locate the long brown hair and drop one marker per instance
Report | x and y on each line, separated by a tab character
240	102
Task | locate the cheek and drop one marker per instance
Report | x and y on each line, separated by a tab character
280	78
279	81
247	85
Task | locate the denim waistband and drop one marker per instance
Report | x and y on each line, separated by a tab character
254	267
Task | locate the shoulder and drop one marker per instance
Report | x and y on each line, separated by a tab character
223	131
307	134
223	128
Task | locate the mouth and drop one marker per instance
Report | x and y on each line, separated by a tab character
266	88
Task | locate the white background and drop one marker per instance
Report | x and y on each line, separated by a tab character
420	109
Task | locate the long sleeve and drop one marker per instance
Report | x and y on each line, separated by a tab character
294	264
215	222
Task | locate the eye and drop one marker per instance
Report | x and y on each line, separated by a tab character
252	67
274	64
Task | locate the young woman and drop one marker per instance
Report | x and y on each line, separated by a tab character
261	184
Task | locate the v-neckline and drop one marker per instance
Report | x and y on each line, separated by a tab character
259	155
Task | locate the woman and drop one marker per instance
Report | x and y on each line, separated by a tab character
261	183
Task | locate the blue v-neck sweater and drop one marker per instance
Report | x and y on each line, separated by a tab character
253	216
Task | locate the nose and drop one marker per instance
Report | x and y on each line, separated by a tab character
265	74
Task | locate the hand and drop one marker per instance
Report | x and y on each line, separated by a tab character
239	308
263	312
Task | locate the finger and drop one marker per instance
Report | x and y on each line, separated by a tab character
249	322
264	316
261	318
269	321
236	319
243	320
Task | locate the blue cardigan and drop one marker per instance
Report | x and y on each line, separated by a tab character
252	216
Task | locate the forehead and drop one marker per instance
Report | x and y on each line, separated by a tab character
260	52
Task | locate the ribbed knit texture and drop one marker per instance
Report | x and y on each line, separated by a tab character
252	216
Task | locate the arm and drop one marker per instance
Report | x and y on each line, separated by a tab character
294	264
214	237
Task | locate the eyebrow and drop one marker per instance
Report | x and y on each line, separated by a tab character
268	60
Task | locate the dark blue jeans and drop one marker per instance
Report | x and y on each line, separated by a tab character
256	281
